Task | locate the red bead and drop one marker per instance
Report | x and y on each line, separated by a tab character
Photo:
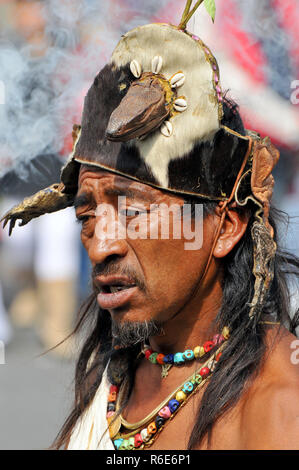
138	440
113	388
148	352
160	358
208	345
218	356
204	372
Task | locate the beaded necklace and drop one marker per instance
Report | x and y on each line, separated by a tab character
179	358
143	433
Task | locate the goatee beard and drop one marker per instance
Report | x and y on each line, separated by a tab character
131	333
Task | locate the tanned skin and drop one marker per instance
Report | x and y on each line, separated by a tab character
267	414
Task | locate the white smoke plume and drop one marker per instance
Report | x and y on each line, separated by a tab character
44	94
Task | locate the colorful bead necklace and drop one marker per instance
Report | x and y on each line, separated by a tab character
180	358
143	433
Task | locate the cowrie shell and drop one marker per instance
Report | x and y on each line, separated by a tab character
166	128
135	68
177	80
180	104
157	63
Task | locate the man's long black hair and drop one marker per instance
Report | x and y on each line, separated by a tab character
242	357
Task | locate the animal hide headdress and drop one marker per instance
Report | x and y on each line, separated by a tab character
154	114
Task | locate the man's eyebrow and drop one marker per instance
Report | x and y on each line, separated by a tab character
82	199
130	193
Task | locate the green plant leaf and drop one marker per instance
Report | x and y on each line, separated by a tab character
211	8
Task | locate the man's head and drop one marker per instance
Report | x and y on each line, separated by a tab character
138	238
157	129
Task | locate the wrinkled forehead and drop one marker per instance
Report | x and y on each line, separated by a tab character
91	171
119	185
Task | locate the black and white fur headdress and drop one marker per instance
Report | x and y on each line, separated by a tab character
154	114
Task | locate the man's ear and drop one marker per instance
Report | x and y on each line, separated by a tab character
233	229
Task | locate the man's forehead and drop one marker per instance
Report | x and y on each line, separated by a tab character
91	171
114	184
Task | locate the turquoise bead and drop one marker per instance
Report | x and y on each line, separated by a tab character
188	387
188	355
153	358
118	443
179	358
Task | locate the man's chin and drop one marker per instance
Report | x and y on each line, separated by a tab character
128	333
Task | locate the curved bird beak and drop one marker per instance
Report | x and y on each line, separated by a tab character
140	112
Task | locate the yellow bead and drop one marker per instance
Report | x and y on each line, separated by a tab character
196	351
180	396
225	332
199	351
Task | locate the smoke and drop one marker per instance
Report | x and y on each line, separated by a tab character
44	92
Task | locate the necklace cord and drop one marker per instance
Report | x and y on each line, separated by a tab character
149	417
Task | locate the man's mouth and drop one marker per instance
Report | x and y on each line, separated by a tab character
114	291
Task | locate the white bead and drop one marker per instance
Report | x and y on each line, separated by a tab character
135	68
157	63
180	104
211	365
145	436
166	128
177	80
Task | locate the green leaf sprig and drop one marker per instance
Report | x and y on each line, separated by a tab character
189	11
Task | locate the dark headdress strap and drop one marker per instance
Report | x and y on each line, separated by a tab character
224	205
265	157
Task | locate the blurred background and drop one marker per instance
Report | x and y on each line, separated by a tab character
50	51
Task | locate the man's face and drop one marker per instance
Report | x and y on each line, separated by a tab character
144	277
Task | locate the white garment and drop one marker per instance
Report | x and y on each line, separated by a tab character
91	431
57	239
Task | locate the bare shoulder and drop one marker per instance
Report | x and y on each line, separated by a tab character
270	413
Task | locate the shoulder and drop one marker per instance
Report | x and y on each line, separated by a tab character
270	414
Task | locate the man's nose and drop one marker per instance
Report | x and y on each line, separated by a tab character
103	246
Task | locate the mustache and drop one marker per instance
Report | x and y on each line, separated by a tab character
114	267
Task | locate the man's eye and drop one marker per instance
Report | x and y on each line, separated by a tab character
132	212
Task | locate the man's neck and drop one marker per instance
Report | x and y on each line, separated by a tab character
193	325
